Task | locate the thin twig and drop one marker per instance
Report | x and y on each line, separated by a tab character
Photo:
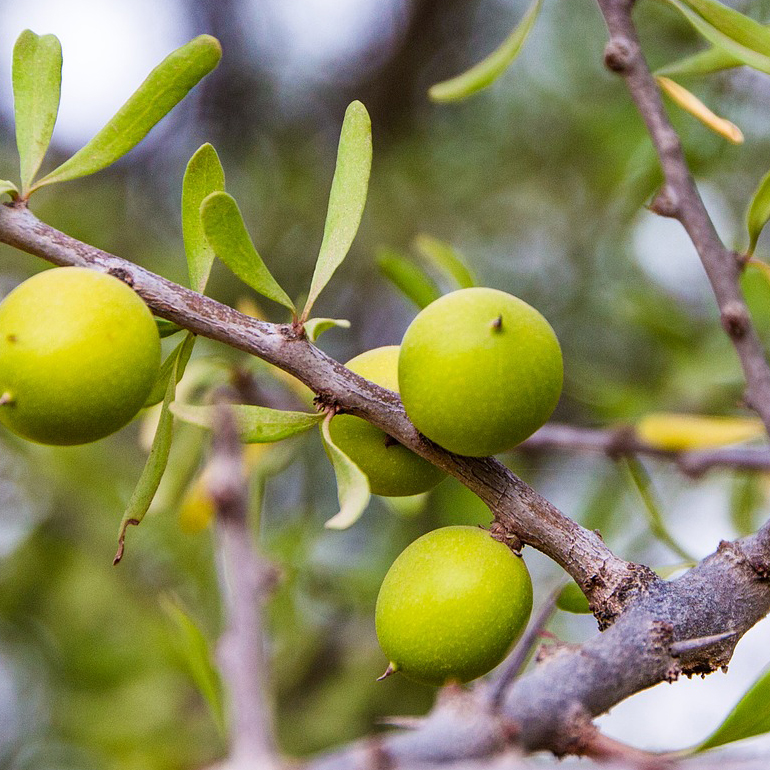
245	579
516	661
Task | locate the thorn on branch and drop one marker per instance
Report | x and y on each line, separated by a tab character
618	55
686	646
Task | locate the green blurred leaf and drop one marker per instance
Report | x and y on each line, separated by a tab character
747	497
257	424
346	199
352	485
203	176
446	260
643	484
572	599
149	480
37	63
408	278
732	32
701	63
315	327
758	213
199	657
8	188
226	232
161	91
755	285
750	717
489	69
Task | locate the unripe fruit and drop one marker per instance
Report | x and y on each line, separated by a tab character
392	469
479	371
451	606
79	353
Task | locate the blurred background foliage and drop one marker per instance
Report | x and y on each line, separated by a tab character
540	183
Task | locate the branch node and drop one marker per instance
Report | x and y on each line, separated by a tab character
735	319
618	55
122	275
665	203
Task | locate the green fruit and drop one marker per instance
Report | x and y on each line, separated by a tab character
79	353
572	599
479	371
392	469
452	605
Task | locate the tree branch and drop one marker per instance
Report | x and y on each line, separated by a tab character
245	579
680	200
520	512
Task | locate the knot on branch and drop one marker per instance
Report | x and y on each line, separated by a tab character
735	319
608	607
122	275
579	732
618	55
665	203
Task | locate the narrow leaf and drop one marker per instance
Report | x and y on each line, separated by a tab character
352	485
149	480
203	176
167	368
166	328
257	424
749	717
488	70
446	260
226	232
9	188
315	327
758	213
36	91
732	32
690	103
346	199
686	432
161	91
702	63
572	599
199	657
408	278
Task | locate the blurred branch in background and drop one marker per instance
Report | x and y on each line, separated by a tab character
245	582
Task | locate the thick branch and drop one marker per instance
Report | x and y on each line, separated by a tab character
680	199
519	511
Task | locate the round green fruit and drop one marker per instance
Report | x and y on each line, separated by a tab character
452	605
79	353
392	469
479	371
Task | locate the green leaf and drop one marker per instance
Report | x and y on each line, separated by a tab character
149	480
408	278
167	368
572	599
161	91
167	328
315	327
346	199
36	90
732	32
198	655
9	188
489	69
758	213
352	485
256	424
203	176
750	717
701	63
226	232
446	260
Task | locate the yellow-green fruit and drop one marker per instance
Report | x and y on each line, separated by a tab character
79	353
452	605
479	371
392	469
